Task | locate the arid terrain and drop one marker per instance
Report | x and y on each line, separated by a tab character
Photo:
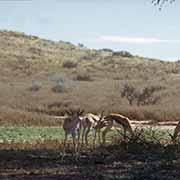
39	79
132	160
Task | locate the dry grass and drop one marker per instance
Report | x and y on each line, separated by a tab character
26	59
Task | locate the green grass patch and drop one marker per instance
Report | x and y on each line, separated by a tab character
23	134
29	134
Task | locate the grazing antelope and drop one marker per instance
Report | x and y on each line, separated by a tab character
72	125
116	120
92	121
176	131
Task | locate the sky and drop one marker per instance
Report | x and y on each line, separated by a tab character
132	25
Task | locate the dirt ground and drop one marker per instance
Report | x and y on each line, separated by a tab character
167	125
114	162
49	165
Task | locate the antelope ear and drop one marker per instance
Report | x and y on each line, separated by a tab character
67	112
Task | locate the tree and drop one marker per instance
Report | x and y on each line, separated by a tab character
140	97
160	3
129	92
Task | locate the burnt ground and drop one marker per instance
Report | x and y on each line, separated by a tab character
110	163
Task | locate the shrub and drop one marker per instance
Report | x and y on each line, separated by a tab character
35	51
81	45
60	82
57	76
122	53
59	87
143	139
59	104
129	92
106	50
146	96
140	97
36	86
83	76
69	64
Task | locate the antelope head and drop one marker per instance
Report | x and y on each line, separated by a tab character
72	112
102	122
69	112
73	120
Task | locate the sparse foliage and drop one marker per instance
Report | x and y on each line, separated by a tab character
106	50
69	64
81	45
59	86
140	97
129	92
83	76
161	3
146	96
36	86
122	53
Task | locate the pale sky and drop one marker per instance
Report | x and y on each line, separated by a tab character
132	25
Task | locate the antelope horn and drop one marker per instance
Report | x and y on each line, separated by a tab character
102	114
80	112
67	112
71	112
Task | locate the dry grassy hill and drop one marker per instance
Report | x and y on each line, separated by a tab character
39	77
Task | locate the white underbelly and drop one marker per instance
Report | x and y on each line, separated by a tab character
117	125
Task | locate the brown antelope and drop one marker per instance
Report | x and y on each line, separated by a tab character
116	120
72	125
92	121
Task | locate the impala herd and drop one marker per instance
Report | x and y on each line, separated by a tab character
74	123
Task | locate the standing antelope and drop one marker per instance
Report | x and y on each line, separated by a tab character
92	121
72	125
116	120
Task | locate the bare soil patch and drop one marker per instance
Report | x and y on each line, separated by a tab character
109	163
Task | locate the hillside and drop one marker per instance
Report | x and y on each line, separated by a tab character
39	77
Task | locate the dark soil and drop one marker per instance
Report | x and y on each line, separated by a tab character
110	163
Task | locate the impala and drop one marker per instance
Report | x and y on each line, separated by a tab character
92	121
72	126
116	120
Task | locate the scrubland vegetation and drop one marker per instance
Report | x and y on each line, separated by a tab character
40	78
36	73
